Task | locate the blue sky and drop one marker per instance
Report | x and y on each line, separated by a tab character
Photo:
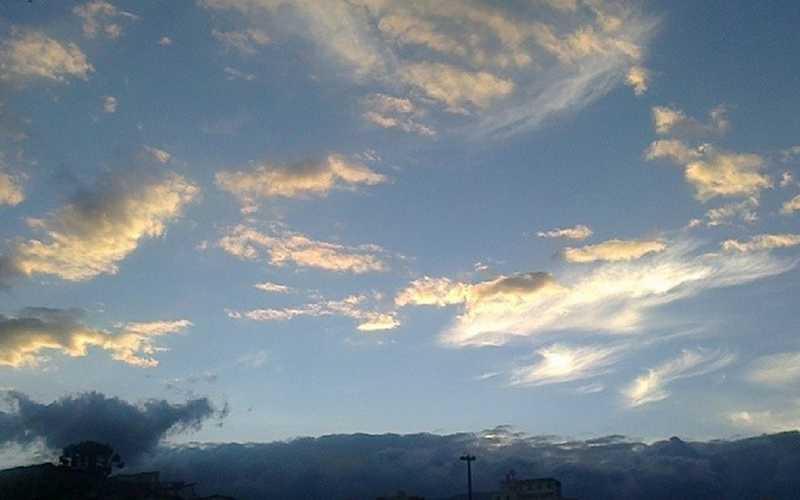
575	217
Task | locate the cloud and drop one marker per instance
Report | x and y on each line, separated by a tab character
791	206
351	307
772	420
97	230
620	296
776	369
672	121
456	87
601	468
560	363
131	429
98	17
502	70
109	104
714	173
395	112
247	42
744	210
11	192
272	287
310	178
235	74
283	247
157	154
651	386
762	242
30	54
613	251
578	232
638	78
25	338
165	41
787	179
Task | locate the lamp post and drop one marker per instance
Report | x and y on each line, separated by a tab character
469	459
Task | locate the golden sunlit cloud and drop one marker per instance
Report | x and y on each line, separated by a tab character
26	338
283	247
30	54
578	232
93	233
762	242
560	363
613	251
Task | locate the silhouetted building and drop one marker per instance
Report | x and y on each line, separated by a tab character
546	488
50	482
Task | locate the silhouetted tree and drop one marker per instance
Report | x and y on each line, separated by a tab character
91	456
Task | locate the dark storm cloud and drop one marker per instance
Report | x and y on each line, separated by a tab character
362	466
131	429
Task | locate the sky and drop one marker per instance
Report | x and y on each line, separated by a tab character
573	217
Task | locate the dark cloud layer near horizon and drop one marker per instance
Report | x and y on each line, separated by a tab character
362	466
131	429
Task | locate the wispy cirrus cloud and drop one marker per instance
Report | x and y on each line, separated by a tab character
577	232
246	42
652	386
29	54
561	363
353	306
499	71
28	336
280	247
98	229
781	369
620	296
395	112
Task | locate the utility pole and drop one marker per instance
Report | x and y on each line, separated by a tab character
469	459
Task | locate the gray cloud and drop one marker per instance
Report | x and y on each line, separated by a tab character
132	429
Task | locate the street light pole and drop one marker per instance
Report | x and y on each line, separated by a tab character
469	459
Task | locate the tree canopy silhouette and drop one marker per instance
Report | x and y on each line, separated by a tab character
91	456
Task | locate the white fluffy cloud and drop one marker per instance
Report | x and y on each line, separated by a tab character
652	386
612	297
762	242
714	173
30	54
100	16
613	251
283	247
559	363
503	71
353	306
27	337
578	232
93	233
312	178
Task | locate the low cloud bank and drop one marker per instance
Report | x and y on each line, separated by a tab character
364	466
